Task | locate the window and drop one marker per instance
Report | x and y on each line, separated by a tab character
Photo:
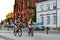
48	6
54	18
30	11
54	5
48	19
25	5
42	20
45	7
30	3
41	7
21	5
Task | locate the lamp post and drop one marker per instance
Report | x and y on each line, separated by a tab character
56	14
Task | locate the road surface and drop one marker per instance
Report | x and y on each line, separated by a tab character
38	35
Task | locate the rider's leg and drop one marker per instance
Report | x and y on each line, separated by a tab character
31	32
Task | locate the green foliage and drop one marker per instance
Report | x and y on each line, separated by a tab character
33	16
7	20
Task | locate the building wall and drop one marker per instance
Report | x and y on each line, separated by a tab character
15	10
45	9
24	7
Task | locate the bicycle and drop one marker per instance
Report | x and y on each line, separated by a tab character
18	30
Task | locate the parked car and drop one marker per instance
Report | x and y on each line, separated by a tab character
38	26
9	25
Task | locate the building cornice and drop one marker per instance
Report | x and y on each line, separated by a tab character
48	10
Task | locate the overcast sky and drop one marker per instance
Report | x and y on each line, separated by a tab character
5	7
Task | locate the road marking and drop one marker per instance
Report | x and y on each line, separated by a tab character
1	38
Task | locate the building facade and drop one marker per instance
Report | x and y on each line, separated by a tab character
48	13
24	8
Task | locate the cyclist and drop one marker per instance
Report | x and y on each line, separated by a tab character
30	29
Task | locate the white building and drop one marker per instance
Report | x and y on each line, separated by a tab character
48	12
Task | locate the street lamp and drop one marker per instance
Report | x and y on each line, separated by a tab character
56	14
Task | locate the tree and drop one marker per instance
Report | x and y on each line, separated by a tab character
33	16
9	17
2	22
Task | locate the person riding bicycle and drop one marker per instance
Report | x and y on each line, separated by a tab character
30	29
18	24
16	30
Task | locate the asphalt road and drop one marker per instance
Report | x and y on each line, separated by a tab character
5	38
26	30
25	35
38	35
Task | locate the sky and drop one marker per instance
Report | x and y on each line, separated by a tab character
5	7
